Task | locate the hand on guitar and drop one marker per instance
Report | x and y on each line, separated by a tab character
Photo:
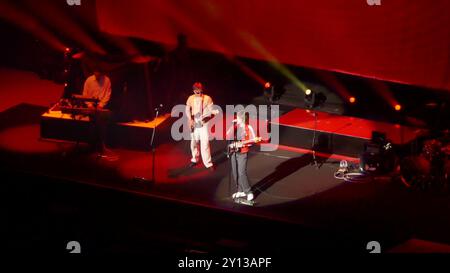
191	124
200	120
237	145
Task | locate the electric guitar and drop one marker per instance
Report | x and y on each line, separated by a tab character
237	145
200	120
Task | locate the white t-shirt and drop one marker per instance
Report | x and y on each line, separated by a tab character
98	89
194	105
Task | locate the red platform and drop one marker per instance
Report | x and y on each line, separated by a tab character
349	126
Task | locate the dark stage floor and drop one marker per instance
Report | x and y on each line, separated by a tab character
51	184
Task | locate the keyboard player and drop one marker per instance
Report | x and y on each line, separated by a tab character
98	86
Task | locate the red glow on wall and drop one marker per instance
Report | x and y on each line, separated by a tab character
397	41
16	16
60	19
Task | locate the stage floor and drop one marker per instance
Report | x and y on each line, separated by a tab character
288	187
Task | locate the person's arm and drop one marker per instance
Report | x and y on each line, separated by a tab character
85	88
107	95
209	104
188	108
189	111
86	92
230	133
251	132
208	109
251	136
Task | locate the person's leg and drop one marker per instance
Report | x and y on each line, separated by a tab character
242	172
105	117
204	147
234	170
100	122
194	146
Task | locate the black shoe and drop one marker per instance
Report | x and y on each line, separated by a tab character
212	168
192	164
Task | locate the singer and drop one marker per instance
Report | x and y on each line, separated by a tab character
243	135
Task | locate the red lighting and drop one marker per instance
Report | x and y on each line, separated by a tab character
352	99
67	49
267	85
398	107
65	84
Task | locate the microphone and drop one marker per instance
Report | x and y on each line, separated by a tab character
160	106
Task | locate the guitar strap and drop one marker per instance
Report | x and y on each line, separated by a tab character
201	107
246	133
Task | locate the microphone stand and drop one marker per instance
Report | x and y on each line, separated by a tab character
314	139
235	163
153	150
312	105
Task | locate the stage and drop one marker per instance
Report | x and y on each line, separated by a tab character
289	189
340	134
299	202
348	103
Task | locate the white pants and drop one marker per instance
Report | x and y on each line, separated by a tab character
201	135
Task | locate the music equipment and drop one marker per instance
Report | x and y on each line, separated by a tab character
83	111
378	156
236	146
428	170
199	120
82	99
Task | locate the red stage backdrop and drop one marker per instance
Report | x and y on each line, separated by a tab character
404	41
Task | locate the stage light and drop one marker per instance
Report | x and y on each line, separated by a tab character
314	99
398	107
65	84
352	99
269	92
309	99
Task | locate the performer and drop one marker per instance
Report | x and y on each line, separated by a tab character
243	135
98	86
198	110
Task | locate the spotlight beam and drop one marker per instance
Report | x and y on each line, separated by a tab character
30	24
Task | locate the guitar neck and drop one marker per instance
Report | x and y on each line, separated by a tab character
244	142
247	141
207	114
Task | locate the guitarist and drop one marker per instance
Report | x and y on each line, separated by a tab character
198	106
241	131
